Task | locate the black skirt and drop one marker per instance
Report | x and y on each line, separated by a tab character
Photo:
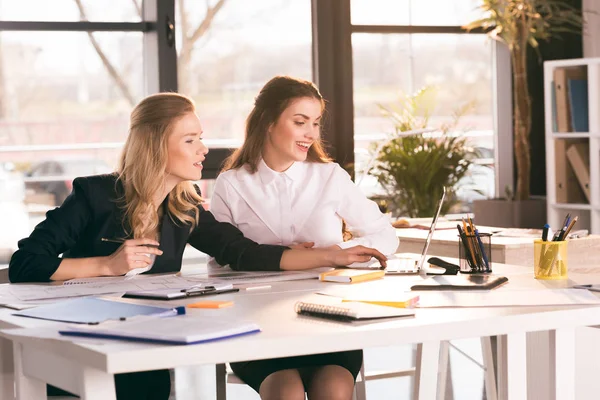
255	372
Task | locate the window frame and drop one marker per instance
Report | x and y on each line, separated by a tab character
332	70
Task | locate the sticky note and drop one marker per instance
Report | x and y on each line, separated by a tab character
211	304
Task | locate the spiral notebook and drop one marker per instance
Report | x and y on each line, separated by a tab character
350	311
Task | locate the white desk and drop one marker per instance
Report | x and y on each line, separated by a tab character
87	368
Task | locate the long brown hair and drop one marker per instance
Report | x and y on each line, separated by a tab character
143	164
270	103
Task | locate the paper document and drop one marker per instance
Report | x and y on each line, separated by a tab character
18	293
507	298
93	311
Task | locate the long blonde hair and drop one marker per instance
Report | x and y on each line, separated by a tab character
143	165
271	102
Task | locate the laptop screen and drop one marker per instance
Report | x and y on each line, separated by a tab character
431	230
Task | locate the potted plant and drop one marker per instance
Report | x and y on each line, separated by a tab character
519	24
413	168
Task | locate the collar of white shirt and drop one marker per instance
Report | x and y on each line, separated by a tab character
267	175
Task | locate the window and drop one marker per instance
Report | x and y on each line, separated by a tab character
247	44
65	99
456	67
414	12
68	10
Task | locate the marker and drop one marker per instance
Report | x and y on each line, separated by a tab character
545	232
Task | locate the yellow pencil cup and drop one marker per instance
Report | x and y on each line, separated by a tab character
550	259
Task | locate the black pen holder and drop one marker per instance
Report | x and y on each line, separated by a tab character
475	253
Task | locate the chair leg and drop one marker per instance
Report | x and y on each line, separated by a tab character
221	381
360	389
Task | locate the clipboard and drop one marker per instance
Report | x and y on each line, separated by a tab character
174	294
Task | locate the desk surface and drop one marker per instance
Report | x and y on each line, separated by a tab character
285	333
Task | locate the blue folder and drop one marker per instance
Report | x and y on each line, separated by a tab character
578	103
188	329
89	310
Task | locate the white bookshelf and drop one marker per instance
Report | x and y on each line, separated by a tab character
589	214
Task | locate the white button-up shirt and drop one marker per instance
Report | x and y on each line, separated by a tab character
306	203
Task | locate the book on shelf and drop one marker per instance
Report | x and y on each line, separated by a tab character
561	91
579	158
568	189
578	104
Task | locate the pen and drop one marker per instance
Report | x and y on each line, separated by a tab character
121	241
473	247
566	221
573	221
468	255
258	287
545	232
483	255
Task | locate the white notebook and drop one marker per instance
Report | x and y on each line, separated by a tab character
350	310
184	329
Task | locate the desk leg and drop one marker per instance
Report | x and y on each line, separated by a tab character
97	385
488	368
512	366
34	368
7	368
551	364
562	363
27	388
426	370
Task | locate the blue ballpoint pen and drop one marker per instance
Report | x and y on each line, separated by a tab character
485	260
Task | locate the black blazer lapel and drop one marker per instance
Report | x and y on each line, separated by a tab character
172	242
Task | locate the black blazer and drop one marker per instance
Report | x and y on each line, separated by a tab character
91	212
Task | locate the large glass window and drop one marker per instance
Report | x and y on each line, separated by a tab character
65	99
71	10
248	43
414	12
456	68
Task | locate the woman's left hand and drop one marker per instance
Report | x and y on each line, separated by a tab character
357	254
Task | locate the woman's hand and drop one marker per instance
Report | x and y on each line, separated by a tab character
134	253
356	254
305	245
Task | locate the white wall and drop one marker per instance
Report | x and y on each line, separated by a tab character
591	37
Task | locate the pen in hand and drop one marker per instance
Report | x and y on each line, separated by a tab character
121	241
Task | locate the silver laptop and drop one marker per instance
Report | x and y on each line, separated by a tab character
408	264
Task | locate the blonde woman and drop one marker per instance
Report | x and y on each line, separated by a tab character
281	188
151	204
